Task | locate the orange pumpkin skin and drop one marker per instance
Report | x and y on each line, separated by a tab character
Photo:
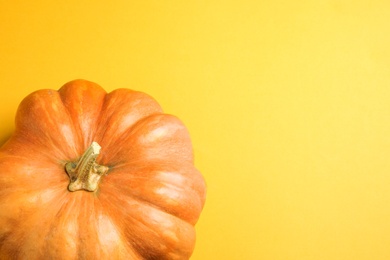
147	203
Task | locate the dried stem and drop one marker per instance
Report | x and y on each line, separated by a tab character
85	174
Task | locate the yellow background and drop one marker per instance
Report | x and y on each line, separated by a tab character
287	102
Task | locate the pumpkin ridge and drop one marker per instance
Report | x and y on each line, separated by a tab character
90	97
144	224
128	246
160	208
30	123
35	217
180	210
58	215
127	134
123	99
76	127
154	121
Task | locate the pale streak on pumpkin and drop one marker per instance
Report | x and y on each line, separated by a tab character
110	237
154	135
42	197
71	228
60	239
67	132
170	193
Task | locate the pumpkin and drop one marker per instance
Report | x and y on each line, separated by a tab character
95	175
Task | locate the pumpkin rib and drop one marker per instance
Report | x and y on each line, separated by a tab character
110	209
63	212
162	208
29	174
76	132
122	109
170	140
87	240
127	246
84	211
32	217
19	140
141	199
84	101
35	115
29	197
127	221
155	186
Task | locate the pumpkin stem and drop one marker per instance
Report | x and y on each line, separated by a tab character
85	174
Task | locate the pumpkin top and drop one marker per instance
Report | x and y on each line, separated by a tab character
146	200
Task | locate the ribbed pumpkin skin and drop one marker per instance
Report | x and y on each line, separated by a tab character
147	204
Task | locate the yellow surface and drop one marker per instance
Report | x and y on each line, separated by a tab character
287	102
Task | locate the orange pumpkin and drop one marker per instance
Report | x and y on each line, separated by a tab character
91	175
